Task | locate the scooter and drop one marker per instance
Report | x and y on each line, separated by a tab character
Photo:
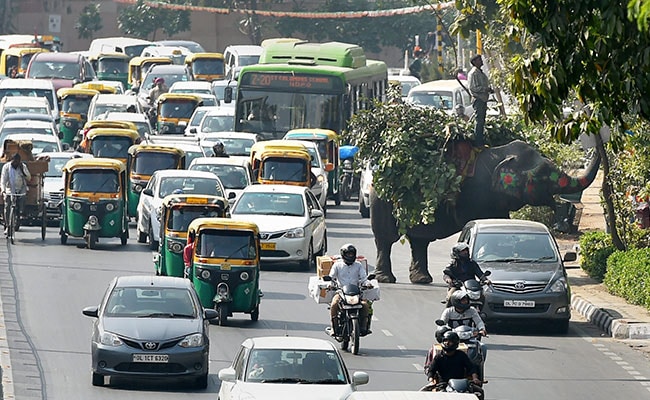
348	330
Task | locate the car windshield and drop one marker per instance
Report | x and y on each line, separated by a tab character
234	146
146	163
441	100
227	244
231	176
55	167
31	110
106	108
111	146
287	204
95	181
47	93
514	247
150	302
197	117
7	132
218	123
42	146
190	185
180	217
54	69
135	50
170	79
294	366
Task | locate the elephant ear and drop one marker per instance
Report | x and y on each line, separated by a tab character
510	177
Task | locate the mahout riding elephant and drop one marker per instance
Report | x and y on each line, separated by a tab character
505	179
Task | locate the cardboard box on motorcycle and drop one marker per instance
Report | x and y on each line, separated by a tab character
324	264
318	287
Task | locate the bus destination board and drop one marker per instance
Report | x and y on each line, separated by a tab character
291	81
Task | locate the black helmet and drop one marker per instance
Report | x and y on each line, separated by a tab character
450	341
458	249
457	300
440	332
349	253
218	147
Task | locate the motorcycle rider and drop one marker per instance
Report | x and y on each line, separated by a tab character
219	149
460	313
461	268
453	364
349	271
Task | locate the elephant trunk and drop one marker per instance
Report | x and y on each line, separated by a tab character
573	184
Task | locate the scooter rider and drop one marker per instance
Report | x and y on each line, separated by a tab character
349	271
452	364
460	313
460	269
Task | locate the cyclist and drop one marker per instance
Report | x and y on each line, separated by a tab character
13	180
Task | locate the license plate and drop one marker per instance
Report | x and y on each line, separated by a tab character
519	303
151	358
225	267
268	246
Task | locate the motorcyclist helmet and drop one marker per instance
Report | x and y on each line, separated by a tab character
460	300
450	341
460	251
349	253
218	148
440	332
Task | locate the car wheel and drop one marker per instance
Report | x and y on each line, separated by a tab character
309	263
98	380
64	238
142	237
153	244
123	238
323	249
201	382
363	210
561	327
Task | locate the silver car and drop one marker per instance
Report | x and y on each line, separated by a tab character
528	278
150	327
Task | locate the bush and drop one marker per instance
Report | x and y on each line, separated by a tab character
543	214
595	248
628	275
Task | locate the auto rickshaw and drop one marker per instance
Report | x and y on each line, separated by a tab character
100	87
111	66
328	147
174	111
176	214
281	161
225	266
14	60
138	67
111	142
94	201
82	136
206	66
74	105
143	161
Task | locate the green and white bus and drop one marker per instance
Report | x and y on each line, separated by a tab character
307	85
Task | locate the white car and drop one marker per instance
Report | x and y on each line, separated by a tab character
53	184
197	116
140	120
445	94
14	127
220	120
191	87
41	143
166	182
235	173
237	144
406	83
290	219
103	103
286	367
24	104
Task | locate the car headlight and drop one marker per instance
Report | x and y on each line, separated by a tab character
352	300
110	339
559	286
295	233
320	178
194	340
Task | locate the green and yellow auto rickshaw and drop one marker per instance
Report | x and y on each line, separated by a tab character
143	161
111	142
138	67
82	137
206	66
94	200
176	214
328	147
281	162
111	66
225	266
174	111
73	106
14	60
100	87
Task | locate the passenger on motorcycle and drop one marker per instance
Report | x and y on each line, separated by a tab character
349	271
460	269
460	313
452	364
219	149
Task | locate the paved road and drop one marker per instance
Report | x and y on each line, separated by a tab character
45	286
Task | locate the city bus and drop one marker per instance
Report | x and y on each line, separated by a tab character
307	85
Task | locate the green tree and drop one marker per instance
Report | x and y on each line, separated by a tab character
89	22
590	53
7	12
143	21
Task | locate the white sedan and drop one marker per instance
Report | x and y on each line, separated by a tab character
290	219
286	367
235	173
166	182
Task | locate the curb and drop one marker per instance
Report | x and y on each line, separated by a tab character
616	328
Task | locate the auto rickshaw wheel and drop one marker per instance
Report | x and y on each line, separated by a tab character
153	244
222	313
43	223
337	198
91	239
142	237
255	314
64	238
123	238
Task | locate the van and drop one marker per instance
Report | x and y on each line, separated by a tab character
132	47
237	56
31	87
445	94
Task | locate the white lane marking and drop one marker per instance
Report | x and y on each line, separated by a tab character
403	348
418	367
387	332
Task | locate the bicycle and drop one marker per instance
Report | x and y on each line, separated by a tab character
12	224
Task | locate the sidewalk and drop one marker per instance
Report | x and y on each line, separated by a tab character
588	297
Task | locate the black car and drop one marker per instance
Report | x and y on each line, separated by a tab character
150	327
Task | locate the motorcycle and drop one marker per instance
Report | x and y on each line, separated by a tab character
348	180
454	386
475	291
470	343
348	330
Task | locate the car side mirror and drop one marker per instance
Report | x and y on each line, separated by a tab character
329	167
316	213
147	192
193	130
210	313
360	378
570	256
92	311
227	375
227	95
232	195
65	146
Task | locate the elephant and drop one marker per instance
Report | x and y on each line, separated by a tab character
504	179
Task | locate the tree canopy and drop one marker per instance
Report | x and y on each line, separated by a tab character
143	21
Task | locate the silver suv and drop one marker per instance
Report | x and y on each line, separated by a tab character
529	281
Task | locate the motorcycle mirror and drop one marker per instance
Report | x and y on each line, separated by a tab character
487	273
440	322
327	278
371	277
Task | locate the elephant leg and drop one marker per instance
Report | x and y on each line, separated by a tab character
384	268
419	268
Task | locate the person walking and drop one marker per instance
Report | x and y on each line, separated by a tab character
479	87
416	65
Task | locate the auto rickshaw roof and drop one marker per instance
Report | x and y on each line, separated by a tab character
100	87
149	60
18	51
101	123
65	92
311	133
179	96
197	56
193	200
94	163
132	133
152	148
222	224
279	147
